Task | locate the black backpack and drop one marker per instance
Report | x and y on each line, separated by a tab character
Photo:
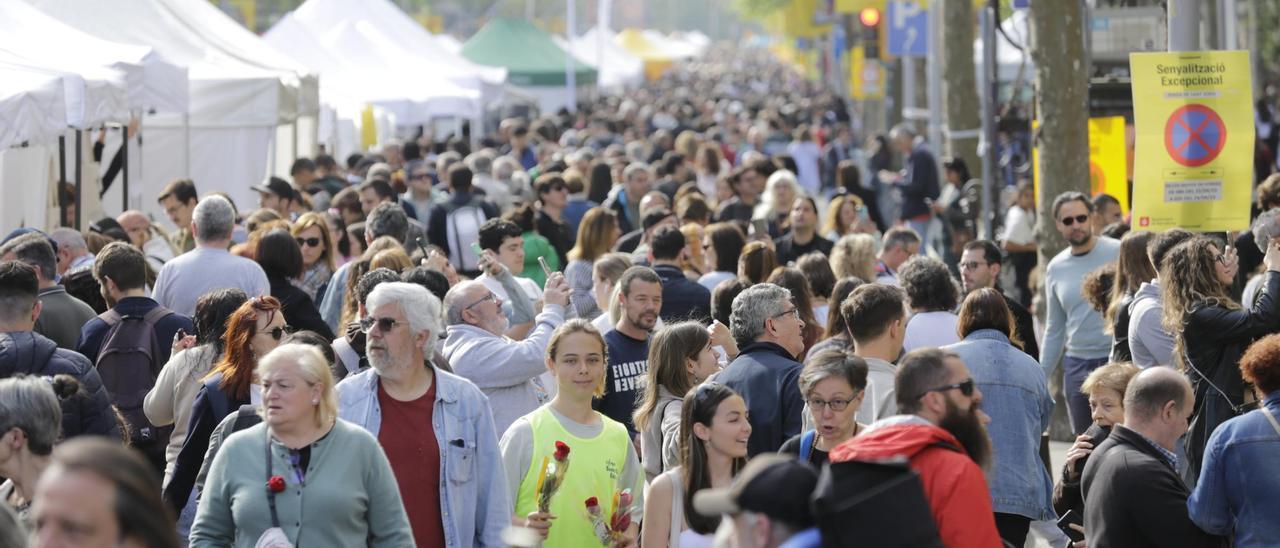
873	503
129	362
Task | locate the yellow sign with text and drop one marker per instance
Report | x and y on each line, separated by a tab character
867	78
1193	163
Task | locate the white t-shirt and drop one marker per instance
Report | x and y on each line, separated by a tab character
1019	226
927	329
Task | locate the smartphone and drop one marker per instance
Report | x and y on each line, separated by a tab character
545	268
1067	519
475	247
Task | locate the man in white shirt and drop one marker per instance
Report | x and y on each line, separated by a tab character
877	318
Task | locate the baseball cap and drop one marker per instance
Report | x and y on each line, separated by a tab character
775	485
277	186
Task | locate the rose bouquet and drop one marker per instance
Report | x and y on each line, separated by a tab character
551	475
610	532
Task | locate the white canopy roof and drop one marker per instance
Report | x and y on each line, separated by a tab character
377	29
1008	58
29	36
349	82
33	105
235	79
617	67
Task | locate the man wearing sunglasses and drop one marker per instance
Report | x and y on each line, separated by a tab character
1074	332
943	436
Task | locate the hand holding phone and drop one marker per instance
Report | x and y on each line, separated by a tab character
1065	523
546	269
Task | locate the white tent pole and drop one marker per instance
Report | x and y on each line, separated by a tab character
186	149
570	77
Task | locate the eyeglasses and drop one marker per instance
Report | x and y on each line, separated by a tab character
966	387
384	324
486	298
835	405
795	312
1068	221
279	332
1224	259
308	242
972	265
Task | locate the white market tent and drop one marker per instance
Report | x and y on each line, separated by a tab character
618	68
33	109
240	92
1008	58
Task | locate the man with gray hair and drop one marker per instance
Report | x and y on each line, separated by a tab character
496	192
209	266
506	370
73	252
62	314
386	219
435	427
1133	495
637	180
767	327
919	181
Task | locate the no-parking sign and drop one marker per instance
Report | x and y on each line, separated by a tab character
1193	153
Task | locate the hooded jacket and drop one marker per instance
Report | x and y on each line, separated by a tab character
89	412
954	485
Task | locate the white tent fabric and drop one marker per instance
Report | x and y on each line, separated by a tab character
93	95
407	46
1008	59
33	106
240	90
29	36
617	68
673	46
449	43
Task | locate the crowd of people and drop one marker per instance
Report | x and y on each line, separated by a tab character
652	322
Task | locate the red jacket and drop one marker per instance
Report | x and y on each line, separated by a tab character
954	484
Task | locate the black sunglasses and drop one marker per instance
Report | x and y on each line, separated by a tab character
1068	221
308	242
384	324
966	387
279	332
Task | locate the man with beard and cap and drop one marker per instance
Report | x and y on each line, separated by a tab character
1074	332
433	426
943	437
640	294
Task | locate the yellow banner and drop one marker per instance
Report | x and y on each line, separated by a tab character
1193	163
1108	171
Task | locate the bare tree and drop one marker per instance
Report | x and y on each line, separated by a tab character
959	84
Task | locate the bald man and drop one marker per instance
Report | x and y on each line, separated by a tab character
143	236
1133	495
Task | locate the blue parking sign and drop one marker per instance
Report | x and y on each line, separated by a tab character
908	24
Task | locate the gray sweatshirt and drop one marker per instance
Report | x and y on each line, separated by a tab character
1149	342
1072	327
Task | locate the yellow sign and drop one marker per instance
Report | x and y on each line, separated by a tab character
866	78
1193	163
1107	159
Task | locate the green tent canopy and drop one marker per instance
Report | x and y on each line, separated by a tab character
527	52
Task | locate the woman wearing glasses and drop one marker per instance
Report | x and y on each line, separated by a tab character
713	449
602	459
1015	394
312	233
253	330
281	258
1211	331
833	383
302	475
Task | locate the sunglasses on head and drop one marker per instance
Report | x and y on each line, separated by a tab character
1068	221
308	242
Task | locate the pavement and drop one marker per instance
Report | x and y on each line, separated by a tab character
1057	456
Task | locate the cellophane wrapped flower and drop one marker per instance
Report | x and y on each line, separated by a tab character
611	532
551	475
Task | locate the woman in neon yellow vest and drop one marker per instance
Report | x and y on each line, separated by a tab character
602	459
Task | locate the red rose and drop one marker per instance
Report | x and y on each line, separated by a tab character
562	451
593	502
276	484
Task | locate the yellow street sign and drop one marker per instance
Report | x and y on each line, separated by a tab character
1108	172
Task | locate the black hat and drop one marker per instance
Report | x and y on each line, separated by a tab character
277	186
777	486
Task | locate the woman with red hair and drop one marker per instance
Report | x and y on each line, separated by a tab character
252	330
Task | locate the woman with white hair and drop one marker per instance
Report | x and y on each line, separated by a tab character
301	476
30	423
780	192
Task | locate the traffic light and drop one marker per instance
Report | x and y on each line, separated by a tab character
869	18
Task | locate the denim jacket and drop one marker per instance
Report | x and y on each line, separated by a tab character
475	506
1016	396
1239	487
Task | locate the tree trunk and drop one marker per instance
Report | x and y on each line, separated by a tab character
1062	142
959	82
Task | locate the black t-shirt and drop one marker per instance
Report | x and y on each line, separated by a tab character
628	366
788	250
817	457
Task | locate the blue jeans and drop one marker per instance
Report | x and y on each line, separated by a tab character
1074	371
922	229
